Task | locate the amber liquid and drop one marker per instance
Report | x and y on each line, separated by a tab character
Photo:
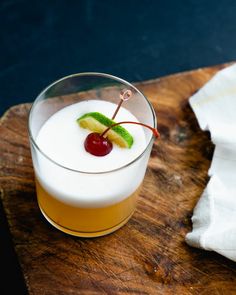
85	222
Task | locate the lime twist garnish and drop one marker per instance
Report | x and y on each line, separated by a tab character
98	122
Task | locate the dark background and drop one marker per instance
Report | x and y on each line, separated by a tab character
41	41
44	40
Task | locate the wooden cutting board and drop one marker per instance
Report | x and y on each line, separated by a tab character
149	254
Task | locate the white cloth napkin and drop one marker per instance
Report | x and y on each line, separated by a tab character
214	217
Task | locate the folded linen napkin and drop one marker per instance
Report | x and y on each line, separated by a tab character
214	217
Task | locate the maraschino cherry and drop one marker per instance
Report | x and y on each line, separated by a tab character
98	145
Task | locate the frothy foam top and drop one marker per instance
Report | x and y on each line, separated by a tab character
62	140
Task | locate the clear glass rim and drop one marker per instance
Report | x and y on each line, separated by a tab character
90	74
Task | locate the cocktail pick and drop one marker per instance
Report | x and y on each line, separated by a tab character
124	96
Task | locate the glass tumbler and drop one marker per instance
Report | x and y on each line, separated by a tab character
104	204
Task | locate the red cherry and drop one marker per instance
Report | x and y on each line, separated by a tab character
97	145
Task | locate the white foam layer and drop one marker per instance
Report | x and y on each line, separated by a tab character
61	139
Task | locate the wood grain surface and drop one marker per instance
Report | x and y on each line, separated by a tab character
149	254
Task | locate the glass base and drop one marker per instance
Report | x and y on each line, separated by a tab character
85	234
